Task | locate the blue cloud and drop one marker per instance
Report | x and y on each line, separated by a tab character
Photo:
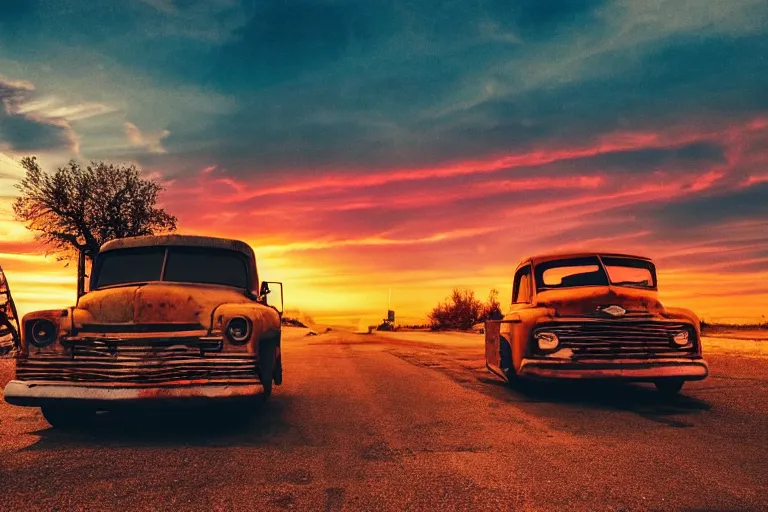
344	83
24	132
283	40
26	135
537	19
716	207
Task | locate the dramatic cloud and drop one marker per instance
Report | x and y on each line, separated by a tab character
53	108
21	130
152	142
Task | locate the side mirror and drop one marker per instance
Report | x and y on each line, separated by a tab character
266	290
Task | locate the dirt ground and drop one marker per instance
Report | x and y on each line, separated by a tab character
410	421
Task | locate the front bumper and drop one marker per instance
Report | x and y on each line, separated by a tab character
36	394
624	369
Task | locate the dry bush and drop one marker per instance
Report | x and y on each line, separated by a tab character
462	310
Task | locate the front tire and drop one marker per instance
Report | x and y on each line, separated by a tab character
63	417
507	364
278	374
267	366
669	387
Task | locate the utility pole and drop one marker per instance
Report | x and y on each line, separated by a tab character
390	314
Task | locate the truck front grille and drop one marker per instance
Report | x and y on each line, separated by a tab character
137	369
625	339
140	328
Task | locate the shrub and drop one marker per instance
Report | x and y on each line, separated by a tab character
462	310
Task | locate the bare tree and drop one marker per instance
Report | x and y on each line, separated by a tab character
77	209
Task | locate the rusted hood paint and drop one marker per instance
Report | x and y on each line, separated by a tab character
155	303
586	300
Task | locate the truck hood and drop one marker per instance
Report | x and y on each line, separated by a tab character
155	304
588	300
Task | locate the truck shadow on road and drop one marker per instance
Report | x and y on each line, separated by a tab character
640	399
252	423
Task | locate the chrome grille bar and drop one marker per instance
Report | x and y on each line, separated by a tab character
615	338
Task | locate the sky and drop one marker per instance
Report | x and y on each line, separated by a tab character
363	146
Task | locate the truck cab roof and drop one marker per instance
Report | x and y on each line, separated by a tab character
178	240
541	258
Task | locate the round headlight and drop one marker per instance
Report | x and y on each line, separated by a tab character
42	333
238	330
681	339
547	340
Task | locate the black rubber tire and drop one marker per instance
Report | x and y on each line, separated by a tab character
67	417
278	374
507	364
267	366
669	387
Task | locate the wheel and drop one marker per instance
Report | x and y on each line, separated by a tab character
64	417
267	366
507	365
278	376
669	387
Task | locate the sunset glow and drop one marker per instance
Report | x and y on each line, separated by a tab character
353	166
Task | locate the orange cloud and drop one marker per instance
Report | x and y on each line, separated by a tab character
339	242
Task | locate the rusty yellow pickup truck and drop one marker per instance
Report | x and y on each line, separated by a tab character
171	317
593	316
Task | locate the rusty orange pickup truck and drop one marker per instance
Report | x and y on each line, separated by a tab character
593	316
169	317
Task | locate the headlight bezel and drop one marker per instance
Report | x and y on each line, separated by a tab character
546	341
42	341
688	334
239	339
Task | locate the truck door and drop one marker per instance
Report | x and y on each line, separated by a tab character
10	340
492	345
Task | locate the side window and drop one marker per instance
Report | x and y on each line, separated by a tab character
522	287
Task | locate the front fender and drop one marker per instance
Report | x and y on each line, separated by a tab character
518	333
265	325
686	315
682	314
62	318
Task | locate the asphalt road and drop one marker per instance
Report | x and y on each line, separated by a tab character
409	422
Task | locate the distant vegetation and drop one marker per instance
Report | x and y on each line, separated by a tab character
293	322
295	318
462	310
714	326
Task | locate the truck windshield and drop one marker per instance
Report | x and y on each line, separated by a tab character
594	271
181	265
630	272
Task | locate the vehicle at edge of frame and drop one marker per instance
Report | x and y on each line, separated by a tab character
593	316
167	318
